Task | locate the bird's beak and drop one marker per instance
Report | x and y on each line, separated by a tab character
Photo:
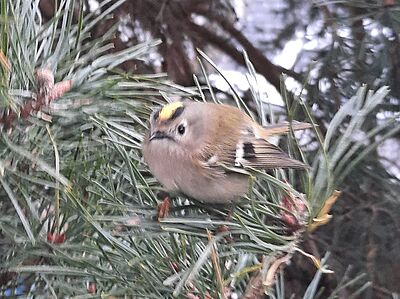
158	135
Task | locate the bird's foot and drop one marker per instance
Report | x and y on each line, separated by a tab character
163	207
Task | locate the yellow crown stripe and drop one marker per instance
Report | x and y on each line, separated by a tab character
168	110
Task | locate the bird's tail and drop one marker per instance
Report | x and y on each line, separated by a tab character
283	128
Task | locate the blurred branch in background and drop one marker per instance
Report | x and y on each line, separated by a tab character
110	242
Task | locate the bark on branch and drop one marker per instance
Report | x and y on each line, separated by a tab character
262	65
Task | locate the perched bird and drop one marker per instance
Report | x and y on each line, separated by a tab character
192	148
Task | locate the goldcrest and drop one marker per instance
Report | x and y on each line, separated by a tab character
193	147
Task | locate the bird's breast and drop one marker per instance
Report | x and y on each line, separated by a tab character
164	162
177	171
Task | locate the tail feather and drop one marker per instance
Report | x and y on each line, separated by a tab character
283	128
281	162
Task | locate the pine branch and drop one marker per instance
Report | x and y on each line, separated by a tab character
110	241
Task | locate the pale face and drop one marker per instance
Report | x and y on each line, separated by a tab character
181	132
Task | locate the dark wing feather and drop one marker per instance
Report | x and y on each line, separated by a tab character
251	152
259	153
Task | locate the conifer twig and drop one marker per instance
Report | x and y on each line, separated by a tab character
217	268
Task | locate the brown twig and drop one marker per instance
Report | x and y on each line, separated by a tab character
255	288
217	268
271	274
47	92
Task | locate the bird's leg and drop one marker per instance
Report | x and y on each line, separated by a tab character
164	206
224	228
231	210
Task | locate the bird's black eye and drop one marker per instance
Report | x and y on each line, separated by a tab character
181	129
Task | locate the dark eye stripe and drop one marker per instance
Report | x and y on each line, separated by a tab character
177	112
156	114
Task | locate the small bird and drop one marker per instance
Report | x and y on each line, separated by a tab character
194	147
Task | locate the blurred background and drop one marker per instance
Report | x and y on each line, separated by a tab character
326	50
